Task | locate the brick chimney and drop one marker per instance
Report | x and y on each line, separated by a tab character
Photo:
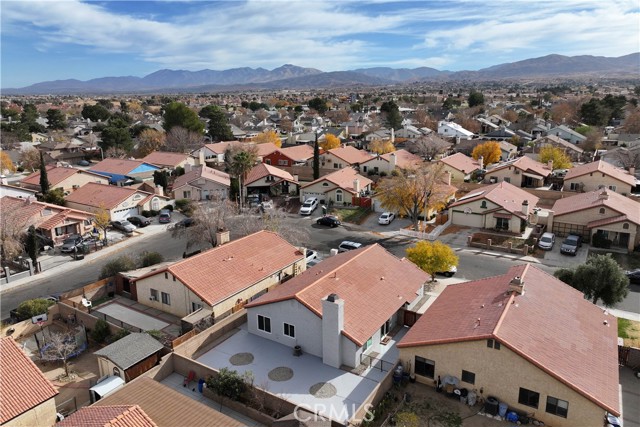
525	207
632	170
332	326
159	190
201	161
517	285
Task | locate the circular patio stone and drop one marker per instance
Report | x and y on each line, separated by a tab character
241	359
281	373
323	390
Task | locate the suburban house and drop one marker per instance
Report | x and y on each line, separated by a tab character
53	221
297	155
507	150
213	153
521	172
388	162
202	183
123	170
338	187
223	279
604	212
130	356
27	396
342	309
453	130
567	134
269	180
500	206
17	192
574	152
169	160
599	174
461	166
165	406
108	416
120	202
67	178
525	338
341	157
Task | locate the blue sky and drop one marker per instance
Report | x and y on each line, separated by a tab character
52	40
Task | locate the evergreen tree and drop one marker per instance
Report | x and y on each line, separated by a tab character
32	246
44	179
316	159
219	129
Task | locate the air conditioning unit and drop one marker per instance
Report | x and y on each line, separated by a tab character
152	298
75	187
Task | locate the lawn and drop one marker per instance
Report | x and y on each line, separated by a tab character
629	330
626	261
354	216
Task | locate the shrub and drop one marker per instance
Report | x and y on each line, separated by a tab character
600	241
227	384
149	214
150	258
168	207
118	335
182	203
383	174
117	265
100	331
370	172
33	307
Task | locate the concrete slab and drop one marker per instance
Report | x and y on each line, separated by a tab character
555	258
132	317
630	397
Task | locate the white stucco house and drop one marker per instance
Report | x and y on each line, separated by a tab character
342	309
453	130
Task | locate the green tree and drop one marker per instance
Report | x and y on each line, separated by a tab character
219	129
54	196
117	265
150	258
28	119
55	119
178	114
32	246
318	104
100	331
161	178
227	384
44	179
116	137
95	113
240	160
475	98
432	257
33	307
600	278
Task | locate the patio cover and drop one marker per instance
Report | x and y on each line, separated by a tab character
502	215
532	175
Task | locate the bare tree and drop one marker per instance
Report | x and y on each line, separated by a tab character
632	121
627	157
428	146
275	220
181	140
209	218
115	152
423	119
12	228
30	159
262	114
593	141
61	347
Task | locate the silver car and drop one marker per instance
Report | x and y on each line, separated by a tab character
546	241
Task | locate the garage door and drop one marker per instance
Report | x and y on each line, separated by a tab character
469	220
304	196
123	213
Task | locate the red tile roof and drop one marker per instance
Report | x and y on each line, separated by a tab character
602	167
404	159
350	154
525	164
503	194
108	416
262	169
551	325
266	148
599	198
373	283
22	385
343	178
300	153
30	212
117	166
202	172
461	162
56	175
97	195
165	158
221	272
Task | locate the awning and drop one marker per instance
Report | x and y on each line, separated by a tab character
532	175
502	215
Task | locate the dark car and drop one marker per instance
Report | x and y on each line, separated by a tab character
329	220
634	276
72	243
139	220
164	217
184	223
123	225
571	244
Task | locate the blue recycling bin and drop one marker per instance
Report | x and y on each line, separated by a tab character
200	385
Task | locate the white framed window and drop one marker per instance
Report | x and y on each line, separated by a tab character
289	330
186	194
195	306
264	323
339	196
612	187
574	186
153	294
166	298
283	163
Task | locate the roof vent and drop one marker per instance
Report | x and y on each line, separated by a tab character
517	285
333	297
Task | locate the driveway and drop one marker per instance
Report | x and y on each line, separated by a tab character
371	223
556	259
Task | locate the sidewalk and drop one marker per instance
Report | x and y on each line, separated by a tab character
55	265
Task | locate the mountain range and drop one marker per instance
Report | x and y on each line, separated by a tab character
293	77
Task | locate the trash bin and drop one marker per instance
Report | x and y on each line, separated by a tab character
200	385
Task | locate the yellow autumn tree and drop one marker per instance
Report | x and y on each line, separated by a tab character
559	157
490	152
150	140
432	257
268	136
5	163
102	221
381	147
330	142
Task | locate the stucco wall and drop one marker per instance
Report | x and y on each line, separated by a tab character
595	180
508	172
501	373
456	175
42	415
379	162
199	193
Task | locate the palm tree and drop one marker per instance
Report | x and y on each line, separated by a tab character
240	160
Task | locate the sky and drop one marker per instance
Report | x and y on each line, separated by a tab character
54	40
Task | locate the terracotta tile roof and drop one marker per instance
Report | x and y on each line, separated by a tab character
262	169
202	172
299	153
599	198
602	167
404	159
461	162
165	158
506	195
606	221
350	154
23	386
117	166
221	147
373	283
56	175
266	149
551	325
343	178
108	196
219	273
108	416
33	212
23	211
525	164
165	406
60	217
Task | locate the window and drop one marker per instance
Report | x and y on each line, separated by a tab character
264	323
289	330
490	343
195	306
502	223
186	194
325	184
166	275
468	377
338	196
283	162
601	211
528	397
574	186
268	161
557	407
483	204
166	298
612	187
335	166
425	367
493	344
367	344
625	226
507	179
154	294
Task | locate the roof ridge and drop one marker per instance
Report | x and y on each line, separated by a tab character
509	302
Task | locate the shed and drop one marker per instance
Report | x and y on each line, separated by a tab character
129	357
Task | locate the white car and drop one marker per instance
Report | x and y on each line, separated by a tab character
309	206
311	255
546	241
386	218
348	246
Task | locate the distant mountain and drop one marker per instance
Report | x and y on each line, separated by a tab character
293	77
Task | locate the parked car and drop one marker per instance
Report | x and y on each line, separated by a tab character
450	272
84	163
547	241
72	243
164	217
330	220
184	223
311	255
386	218
571	245
309	206
348	246
123	225
634	276
139	220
